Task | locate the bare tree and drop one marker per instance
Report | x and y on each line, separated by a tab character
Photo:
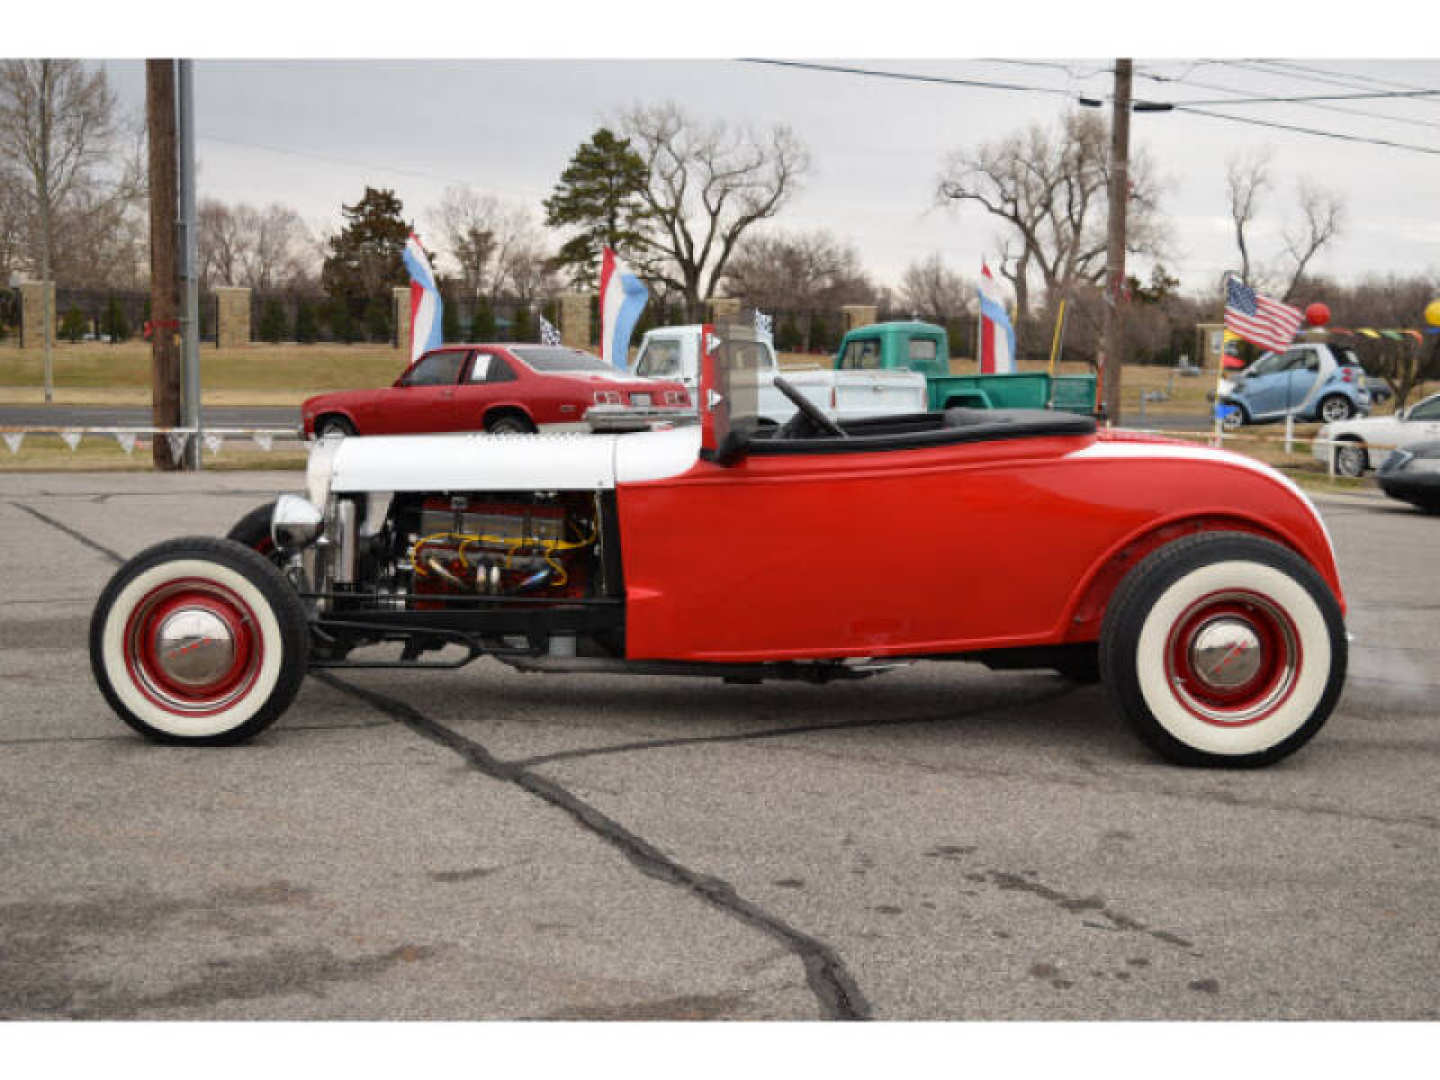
217	243
57	127
490	241
1050	186
1246	176
797	272
708	184
930	288
1322	213
259	249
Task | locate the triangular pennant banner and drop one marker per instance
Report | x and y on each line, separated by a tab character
177	440
264	440
71	438
126	439
213	442
13	439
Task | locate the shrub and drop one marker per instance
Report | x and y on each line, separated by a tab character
114	323
73	325
482	327
306	324
272	322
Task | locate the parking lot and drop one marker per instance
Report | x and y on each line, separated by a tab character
943	842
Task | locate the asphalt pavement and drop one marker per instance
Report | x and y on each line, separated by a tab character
941	843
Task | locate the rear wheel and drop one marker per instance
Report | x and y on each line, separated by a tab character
333	425
1224	649
1335	408
199	641
1234	417
508	424
1351	459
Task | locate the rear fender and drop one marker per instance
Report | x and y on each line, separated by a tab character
1087	609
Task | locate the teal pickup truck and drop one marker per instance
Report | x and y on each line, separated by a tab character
925	347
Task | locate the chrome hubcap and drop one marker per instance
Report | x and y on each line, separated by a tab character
194	647
1225	654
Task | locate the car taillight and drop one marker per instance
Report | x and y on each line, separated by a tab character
1347	375
607	397
677	397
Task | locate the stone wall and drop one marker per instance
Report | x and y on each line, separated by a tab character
232	317
575	320
32	313
402	318
857	315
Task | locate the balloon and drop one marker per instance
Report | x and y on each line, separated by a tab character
1432	313
1317	314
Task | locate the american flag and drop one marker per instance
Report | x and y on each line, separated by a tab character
1258	319
548	334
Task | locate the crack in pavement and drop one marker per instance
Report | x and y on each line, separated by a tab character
825	972
75	533
776	733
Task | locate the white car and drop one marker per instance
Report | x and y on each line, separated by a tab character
1363	443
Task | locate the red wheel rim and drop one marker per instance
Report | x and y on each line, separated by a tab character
193	647
1232	658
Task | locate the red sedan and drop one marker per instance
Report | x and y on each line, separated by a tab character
495	388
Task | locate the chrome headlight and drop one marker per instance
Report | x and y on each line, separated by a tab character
296	522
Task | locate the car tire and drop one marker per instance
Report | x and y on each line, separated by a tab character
1234	418
253	531
334	425
509	424
1351	458
208	591
1336	407
1211	593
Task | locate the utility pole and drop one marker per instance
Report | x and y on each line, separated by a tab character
1115	255
189	285
164	291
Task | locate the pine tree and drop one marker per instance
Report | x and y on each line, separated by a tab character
113	322
449	319
365	256
482	326
524	327
600	192
306	330
378	325
73	324
272	322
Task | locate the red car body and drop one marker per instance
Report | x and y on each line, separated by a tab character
487	387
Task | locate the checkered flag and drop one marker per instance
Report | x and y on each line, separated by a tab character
764	324
548	334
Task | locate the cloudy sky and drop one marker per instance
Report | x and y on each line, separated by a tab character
312	133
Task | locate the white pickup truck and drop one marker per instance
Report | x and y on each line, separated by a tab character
673	352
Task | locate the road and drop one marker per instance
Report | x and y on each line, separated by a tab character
939	843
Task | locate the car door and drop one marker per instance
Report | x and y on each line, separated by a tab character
1301	375
423	399
482	384
1267	386
1422	423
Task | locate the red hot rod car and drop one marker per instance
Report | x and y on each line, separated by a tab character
1199	585
500	389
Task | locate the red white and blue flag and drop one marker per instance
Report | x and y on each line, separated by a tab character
997	336
623	297
1268	323
425	304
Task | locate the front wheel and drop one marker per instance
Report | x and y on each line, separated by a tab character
333	425
1351	459
1224	649
1335	408
1234	418
199	641
509	424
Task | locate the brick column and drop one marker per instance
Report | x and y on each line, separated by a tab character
575	320
722	307
402	317
858	315
32	313
232	317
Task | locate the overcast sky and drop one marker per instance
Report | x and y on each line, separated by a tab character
313	133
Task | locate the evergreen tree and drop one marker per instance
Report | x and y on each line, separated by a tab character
524	327
599	191
113	322
73	325
306	328
482	327
342	323
272	322
449	318
378	325
365	256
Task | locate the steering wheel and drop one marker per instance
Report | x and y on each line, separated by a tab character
809	410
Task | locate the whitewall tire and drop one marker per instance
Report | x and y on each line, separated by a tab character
1224	649
199	641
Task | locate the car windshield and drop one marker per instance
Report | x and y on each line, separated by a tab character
558	358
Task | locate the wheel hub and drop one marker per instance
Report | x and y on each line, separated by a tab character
1225	653
194	647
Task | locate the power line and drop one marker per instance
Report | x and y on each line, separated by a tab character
1335	78
1309	131
1303	98
836	68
